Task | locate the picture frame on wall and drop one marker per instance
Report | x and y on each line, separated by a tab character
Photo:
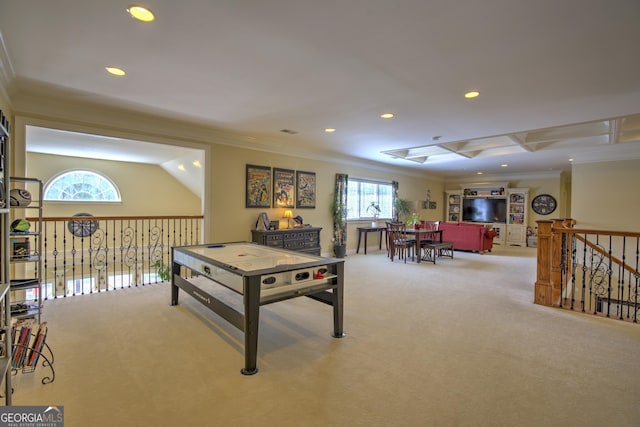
258	192
283	188
305	190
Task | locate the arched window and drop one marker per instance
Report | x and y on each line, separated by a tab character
81	185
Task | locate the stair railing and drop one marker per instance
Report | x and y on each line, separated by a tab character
593	271
84	255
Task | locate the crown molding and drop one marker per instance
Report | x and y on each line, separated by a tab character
6	70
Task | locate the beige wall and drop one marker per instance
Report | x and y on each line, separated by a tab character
536	186
232	221
144	188
605	195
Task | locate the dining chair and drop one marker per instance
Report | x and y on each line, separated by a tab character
399	243
428	238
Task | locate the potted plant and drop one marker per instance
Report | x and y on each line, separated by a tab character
339	215
374	210
402	209
413	220
163	270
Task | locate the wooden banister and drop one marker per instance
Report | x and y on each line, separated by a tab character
606	279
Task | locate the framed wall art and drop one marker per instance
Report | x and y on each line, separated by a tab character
283	188
305	189
258	186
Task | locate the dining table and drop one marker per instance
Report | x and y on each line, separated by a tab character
423	233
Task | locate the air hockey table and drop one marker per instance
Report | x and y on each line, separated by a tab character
260	275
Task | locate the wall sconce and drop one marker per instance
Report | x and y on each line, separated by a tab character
288	215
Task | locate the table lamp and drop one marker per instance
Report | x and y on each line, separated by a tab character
288	214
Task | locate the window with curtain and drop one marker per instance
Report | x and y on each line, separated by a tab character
362	192
81	185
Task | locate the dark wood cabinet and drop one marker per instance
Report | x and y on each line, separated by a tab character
305	239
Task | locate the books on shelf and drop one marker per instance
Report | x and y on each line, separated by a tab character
516	218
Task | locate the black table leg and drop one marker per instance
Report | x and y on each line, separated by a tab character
337	296
365	245
251	322
365	242
175	270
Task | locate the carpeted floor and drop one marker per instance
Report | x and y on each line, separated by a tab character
459	343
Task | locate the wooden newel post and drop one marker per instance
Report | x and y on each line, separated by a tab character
543	290
556	260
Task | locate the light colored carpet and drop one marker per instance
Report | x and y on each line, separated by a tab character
459	343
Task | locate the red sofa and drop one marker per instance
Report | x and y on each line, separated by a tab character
467	237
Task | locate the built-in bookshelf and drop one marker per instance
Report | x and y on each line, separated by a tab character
453	205
517	216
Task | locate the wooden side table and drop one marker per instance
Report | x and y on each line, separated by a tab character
367	230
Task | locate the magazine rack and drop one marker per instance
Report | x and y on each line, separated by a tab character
28	350
47	362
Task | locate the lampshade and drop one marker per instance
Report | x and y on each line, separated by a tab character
288	214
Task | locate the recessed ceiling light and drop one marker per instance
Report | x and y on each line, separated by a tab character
570	159
116	71
181	167
479	173
141	13
504	165
197	163
329	130
471	94
387	115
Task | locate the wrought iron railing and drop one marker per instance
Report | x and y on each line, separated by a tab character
593	271
88	254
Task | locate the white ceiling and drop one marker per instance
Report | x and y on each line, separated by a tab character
254	68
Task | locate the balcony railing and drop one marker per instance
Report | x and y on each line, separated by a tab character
593	271
89	254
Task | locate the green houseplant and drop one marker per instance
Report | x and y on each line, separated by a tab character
164	270
402	209
413	220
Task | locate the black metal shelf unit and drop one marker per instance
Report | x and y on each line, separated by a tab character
5	294
26	248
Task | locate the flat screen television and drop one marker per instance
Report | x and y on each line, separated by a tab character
483	209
